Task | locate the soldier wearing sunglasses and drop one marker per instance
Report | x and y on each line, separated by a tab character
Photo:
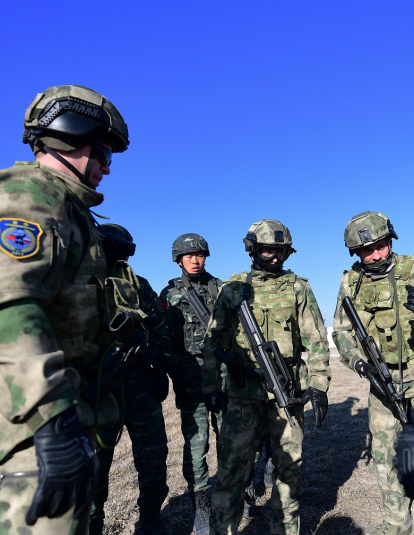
53	315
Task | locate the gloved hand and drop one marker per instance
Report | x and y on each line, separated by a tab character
367	370
216	401
404	459
410	298
159	384
319	402
66	469
183	386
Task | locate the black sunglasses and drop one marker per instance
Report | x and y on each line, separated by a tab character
104	155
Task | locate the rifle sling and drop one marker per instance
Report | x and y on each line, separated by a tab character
391	276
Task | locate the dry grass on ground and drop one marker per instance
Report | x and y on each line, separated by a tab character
341	496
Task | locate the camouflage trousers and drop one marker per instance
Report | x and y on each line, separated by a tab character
195	426
145	424
16	495
241	433
385	426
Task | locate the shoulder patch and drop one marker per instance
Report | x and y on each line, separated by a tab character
20	238
159	304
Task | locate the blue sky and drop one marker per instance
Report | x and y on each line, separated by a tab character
300	111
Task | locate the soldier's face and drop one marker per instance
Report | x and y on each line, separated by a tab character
270	254
375	252
193	263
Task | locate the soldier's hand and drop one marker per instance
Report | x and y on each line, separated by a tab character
216	401
404	459
410	298
66	469
367	370
319	402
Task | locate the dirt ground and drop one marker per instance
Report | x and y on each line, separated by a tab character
340	493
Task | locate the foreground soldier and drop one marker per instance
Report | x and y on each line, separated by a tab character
286	310
143	388
51	318
377	287
186	332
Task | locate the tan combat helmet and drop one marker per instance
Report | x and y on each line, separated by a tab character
69	117
268	233
367	228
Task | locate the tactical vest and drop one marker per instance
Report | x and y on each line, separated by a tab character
375	302
193	331
274	306
77	313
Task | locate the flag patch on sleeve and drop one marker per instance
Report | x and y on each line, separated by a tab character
19	238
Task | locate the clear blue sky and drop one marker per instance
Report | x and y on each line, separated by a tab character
296	110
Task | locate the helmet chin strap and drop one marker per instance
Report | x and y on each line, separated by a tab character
84	178
192	276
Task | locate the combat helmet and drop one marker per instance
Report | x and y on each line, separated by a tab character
187	244
118	243
268	233
367	228
68	117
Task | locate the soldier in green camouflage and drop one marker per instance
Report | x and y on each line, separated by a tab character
53	315
141	392
287	312
190	252
377	285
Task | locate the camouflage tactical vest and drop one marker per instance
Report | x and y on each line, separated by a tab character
193	331
375	303
274	306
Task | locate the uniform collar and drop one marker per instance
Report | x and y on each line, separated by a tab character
88	196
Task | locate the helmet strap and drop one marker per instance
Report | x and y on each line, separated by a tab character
84	178
193	276
39	143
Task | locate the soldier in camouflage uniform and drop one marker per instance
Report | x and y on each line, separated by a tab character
287	312
53	314
186	332
377	286
144	387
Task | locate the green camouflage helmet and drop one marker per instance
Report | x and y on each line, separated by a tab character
367	228
67	117
268	232
187	244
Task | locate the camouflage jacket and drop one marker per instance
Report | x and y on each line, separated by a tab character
183	326
52	316
376	304
287	312
150	309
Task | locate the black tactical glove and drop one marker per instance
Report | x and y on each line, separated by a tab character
319	402
183	386
404	460
216	401
66	469
367	370
410	298
159	384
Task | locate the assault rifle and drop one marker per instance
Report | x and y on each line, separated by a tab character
375	357
129	343
276	377
198	307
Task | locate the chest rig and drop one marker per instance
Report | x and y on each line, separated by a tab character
273	302
77	313
379	302
193	331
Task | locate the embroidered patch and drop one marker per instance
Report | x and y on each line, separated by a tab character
19	238
159	304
